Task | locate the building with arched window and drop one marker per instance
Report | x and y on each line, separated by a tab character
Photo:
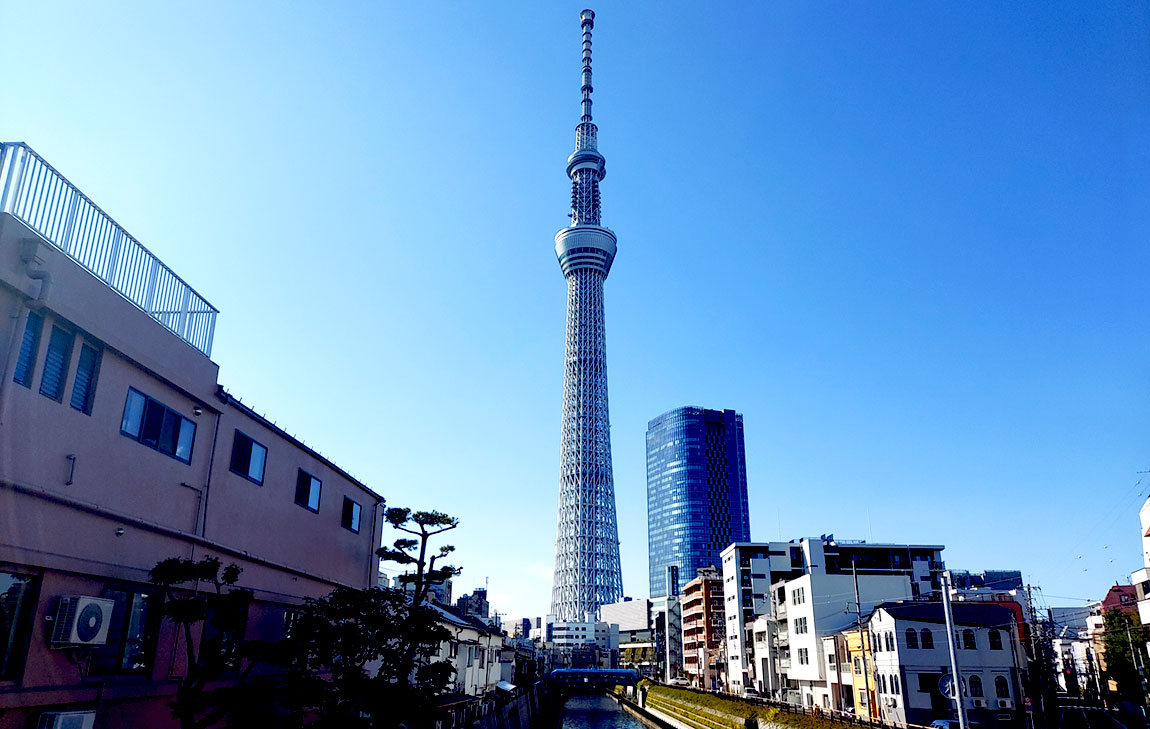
910	649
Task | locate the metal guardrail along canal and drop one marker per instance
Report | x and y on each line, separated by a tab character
33	192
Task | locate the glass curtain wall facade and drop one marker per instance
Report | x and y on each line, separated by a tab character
696	492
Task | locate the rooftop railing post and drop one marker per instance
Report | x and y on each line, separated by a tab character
182	323
150	288
13	168
113	258
69	223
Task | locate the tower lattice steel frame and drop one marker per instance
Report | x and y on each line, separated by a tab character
587	571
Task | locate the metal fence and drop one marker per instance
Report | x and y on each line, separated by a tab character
32	191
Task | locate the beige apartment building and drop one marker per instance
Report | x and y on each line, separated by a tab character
118	449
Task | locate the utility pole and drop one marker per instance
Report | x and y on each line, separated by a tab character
1133	654
1042	667
862	643
956	682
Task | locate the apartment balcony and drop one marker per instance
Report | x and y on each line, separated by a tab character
34	193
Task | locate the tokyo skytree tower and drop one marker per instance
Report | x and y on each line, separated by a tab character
587	573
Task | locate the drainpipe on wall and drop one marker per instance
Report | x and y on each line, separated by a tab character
208	482
372	579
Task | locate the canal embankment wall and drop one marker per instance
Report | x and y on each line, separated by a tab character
664	707
533	707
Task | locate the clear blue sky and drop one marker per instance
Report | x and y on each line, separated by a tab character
908	242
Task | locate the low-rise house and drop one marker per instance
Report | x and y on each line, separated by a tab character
475	651
909	657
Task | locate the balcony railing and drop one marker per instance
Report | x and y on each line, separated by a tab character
34	193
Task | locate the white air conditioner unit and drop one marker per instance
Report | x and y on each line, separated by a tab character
67	720
82	620
980	703
1006	703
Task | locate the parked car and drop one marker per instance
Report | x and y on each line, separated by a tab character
751	692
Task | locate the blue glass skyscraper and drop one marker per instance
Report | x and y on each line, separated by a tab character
696	492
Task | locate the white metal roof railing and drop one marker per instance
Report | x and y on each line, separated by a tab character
32	191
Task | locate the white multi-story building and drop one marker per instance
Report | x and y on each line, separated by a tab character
805	589
1073	661
628	614
1141	578
573	634
652	628
909	656
667	619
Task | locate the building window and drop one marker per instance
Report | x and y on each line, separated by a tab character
1001	688
800	625
131	634
911	638
975	684
995	640
307	489
157	426
84	386
293	619
17	608
894	683
29	348
890	641
927	638
350	519
882	683
804	656
248	458
56	364
968	640
858	668
798	596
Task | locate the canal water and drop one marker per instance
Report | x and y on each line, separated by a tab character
596	712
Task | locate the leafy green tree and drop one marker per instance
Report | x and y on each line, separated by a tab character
364	657
1125	646
215	602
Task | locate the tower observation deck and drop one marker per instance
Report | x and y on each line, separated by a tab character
587	571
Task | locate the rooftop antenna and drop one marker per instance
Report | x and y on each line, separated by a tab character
587	21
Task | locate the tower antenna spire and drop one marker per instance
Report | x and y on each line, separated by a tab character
587	19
